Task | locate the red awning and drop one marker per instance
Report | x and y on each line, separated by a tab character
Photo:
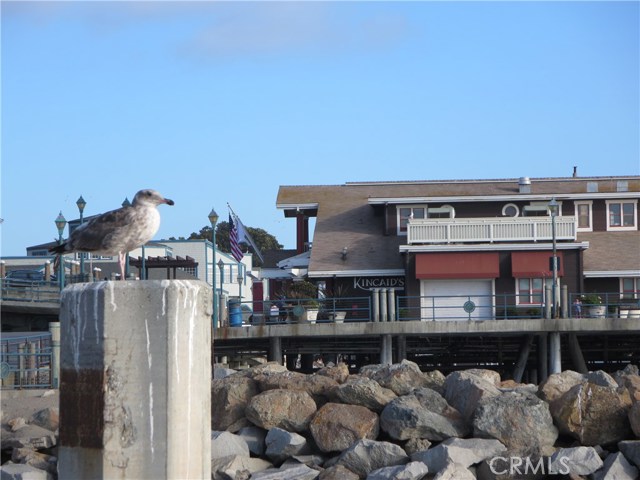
457	265
534	264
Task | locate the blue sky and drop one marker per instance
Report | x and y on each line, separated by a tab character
222	102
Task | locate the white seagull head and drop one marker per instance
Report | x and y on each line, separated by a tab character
149	197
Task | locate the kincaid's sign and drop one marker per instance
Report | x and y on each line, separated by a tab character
367	283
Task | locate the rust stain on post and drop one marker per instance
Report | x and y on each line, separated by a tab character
81	410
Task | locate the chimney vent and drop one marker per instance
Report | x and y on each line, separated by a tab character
524	183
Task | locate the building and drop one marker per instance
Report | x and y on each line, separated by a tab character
487	242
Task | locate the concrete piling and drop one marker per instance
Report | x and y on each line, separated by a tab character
135	380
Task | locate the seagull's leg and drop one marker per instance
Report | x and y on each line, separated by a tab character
121	260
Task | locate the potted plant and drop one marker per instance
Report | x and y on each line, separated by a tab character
592	303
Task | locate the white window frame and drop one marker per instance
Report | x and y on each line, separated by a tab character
443	209
622	227
399	218
540	207
504	210
636	287
589	205
545	282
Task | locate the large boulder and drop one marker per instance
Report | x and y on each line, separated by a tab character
408	471
464	452
229	399
28	436
422	414
401	377
281	445
634	418
290	410
336	426
365	456
557	384
520	420
19	471
454	471
464	390
593	414
38	460
320	387
48	418
631	451
237	466
225	444
576	461
339	372
490	375
286	472
616	467
254	436
365	392
338	472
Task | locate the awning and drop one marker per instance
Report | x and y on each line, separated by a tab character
457	265
534	264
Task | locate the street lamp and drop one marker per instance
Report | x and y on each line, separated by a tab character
61	222
239	279
553	210
221	267
213	218
81	204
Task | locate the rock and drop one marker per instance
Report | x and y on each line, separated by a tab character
229	399
19	471
221	372
365	456
309	460
601	378
320	387
224	444
631	383
577	461
339	373
281	445
409	471
298	472
616	467
454	471
290	410
338	472
634	418
48	418
364	392
401	377
558	384
631	451
422	414
593	414
463	452
254	436
336	426
234	466
435	380
521	421
489	375
38	460
414	445
463	391
17	423
29	436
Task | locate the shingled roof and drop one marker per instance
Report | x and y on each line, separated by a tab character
346	218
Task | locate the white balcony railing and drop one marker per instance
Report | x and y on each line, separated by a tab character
489	230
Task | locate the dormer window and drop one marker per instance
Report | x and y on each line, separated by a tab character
446	211
407	213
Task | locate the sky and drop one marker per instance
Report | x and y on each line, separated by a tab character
216	103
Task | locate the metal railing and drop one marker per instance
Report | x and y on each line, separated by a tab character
460	230
29	291
26	361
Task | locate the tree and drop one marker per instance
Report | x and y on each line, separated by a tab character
263	239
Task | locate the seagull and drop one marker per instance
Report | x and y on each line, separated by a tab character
118	231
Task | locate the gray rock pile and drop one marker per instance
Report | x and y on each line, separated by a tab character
393	422
396	422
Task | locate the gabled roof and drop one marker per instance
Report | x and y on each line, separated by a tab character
346	216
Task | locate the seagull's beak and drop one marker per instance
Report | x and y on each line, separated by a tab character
168	201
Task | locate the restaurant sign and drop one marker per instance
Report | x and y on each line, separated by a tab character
368	283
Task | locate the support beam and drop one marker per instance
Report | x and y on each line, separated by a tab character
555	353
275	350
135	394
401	348
523	356
577	359
543	357
386	350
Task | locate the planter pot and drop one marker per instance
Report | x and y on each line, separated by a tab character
634	313
597	311
624	312
312	314
340	316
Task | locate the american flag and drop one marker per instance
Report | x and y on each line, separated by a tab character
236	251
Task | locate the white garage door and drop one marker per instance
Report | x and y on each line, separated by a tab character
456	299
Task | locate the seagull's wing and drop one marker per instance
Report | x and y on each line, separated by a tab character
97	234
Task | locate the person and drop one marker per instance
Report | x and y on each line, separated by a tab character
577	308
274	312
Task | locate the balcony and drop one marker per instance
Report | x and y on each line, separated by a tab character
489	230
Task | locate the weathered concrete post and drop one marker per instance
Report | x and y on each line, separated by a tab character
275	350
135	394
392	304
54	329
383	305
555	353
375	295
386	350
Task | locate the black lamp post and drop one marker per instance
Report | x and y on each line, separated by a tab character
213	219
61	222
81	204
221	267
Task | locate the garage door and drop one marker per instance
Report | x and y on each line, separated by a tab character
456	299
